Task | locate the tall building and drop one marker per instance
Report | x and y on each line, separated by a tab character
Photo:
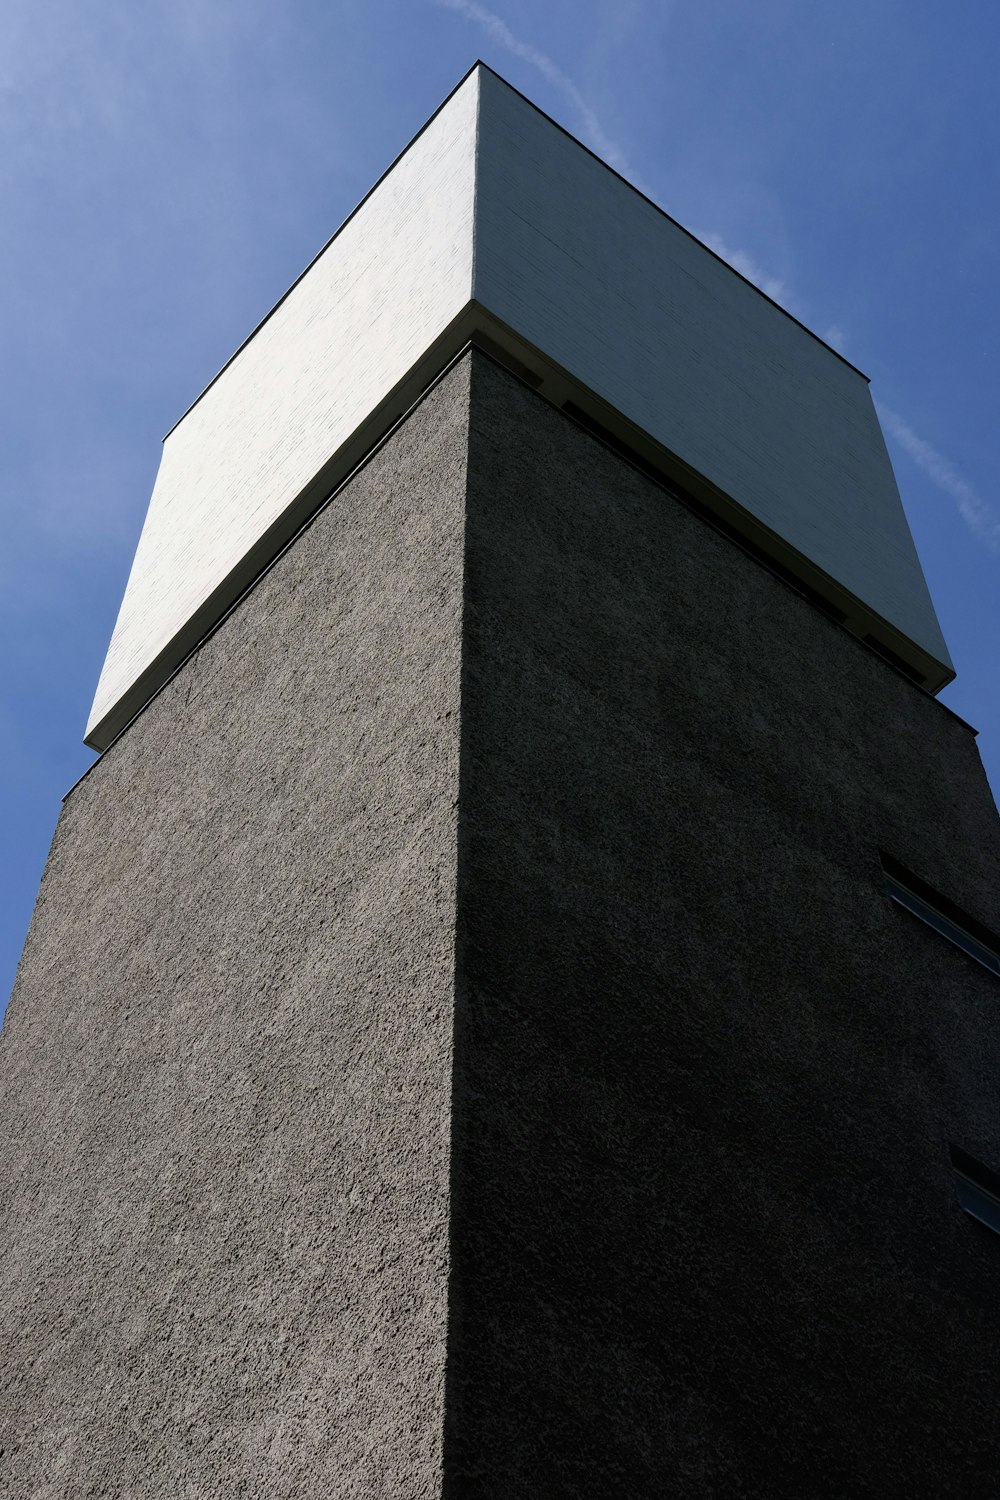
512	1012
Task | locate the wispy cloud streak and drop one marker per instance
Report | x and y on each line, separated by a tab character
980	517
779	291
740	261
500	32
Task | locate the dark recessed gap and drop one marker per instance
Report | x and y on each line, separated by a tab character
887	654
499	353
612	440
638	461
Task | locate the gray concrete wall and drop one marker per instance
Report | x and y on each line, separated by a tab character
705	1239
464	1047
225	1068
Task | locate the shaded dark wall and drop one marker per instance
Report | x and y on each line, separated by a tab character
225	1068
705	1240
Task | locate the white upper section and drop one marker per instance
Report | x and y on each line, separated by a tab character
492	201
394	276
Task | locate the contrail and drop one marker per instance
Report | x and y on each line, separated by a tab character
501	33
748	267
980	517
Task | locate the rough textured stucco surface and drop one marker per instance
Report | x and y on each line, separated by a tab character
225	1069
547	1070
705	1240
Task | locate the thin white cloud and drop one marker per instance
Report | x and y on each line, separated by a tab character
777	290
500	32
980	517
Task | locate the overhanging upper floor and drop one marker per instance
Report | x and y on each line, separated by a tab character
495	225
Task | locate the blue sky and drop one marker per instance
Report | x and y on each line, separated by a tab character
168	168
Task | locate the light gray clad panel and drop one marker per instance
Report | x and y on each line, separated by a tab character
588	270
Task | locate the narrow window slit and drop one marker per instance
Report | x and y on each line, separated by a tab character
909	891
978	1188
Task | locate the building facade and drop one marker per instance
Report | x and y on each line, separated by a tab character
511	1010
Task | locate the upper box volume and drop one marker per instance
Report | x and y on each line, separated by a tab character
494	222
